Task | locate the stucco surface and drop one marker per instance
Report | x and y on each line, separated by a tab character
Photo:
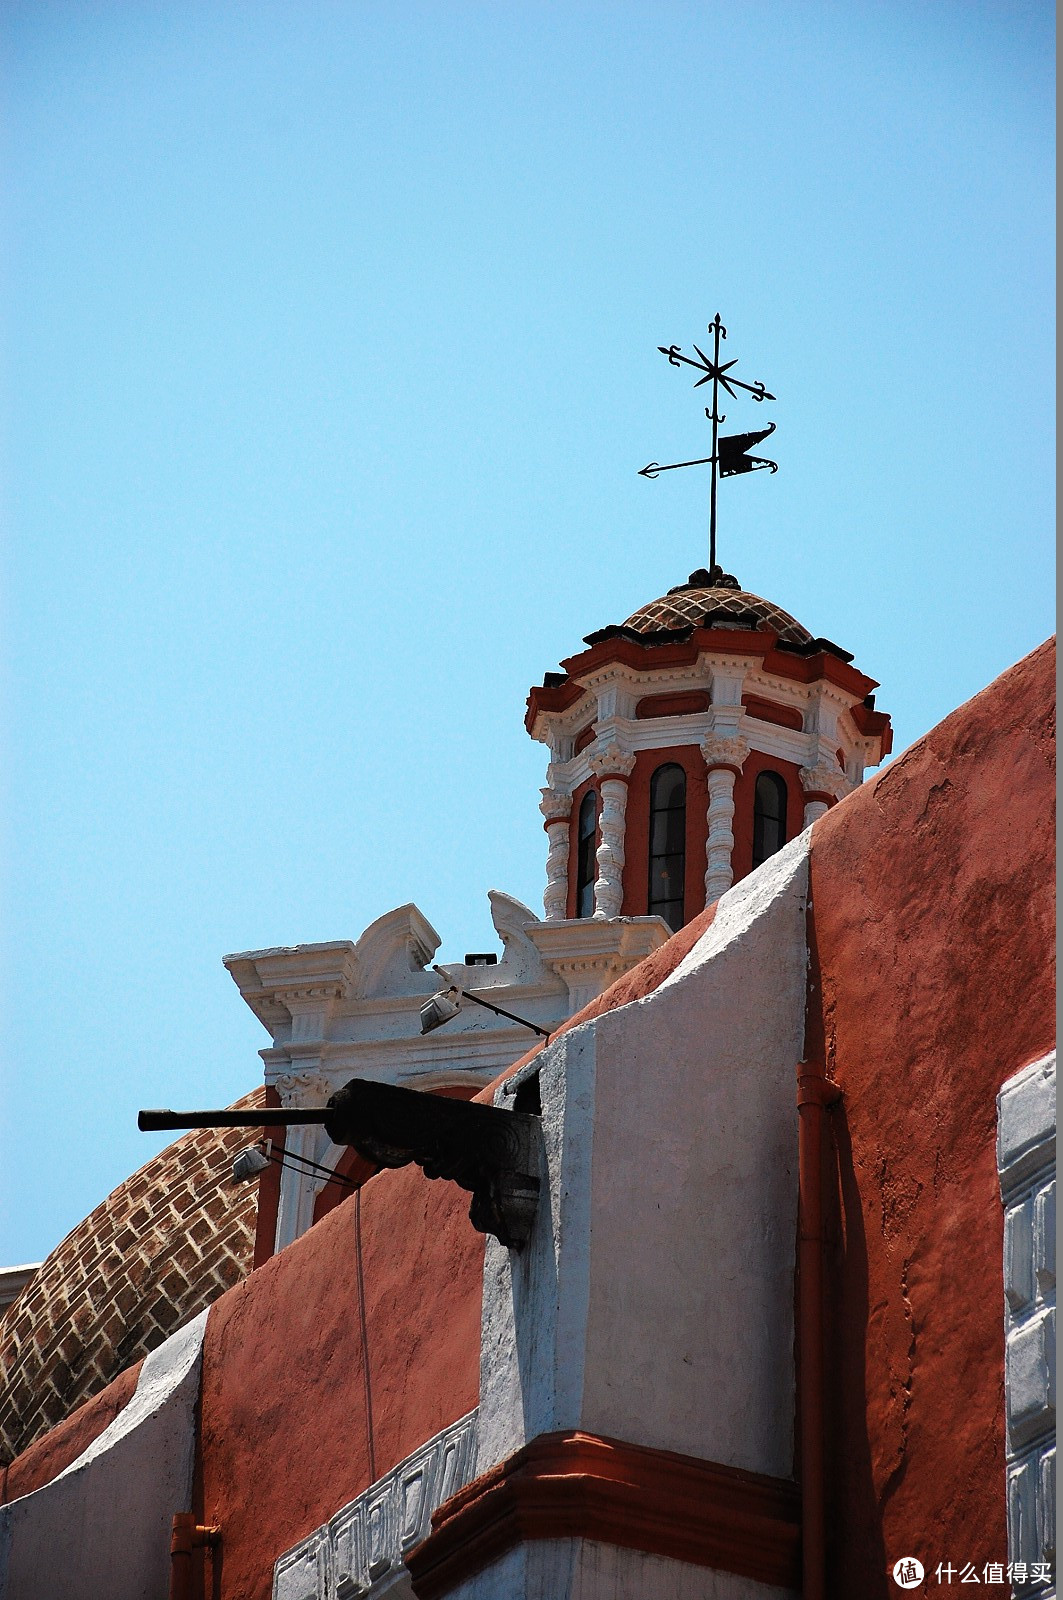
931	930
583	1569
654	1302
284	1439
102	1527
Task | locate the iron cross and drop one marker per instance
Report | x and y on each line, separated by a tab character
729	455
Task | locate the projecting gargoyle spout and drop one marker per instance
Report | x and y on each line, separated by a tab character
492	1153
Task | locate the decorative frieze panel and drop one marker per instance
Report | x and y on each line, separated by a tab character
359	1553
1026	1162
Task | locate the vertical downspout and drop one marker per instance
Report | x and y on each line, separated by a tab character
186	1536
814	1093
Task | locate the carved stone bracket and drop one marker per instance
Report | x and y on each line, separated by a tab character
493	1153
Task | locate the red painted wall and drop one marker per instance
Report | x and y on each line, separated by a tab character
931	933
283	1439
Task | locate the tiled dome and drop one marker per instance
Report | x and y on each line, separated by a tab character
706	599
165	1244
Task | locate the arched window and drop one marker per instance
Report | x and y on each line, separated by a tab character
586	832
769	816
668	853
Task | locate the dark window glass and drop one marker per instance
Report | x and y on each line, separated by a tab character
769	816
585	863
668	854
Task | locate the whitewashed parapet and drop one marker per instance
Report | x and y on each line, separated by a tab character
359	1553
1026	1130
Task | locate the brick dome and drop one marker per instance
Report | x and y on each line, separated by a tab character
706	599
713	600
149	1258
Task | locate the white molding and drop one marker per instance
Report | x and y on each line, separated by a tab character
359	1553
1026	1130
62	1539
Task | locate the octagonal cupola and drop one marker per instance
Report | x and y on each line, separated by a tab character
688	744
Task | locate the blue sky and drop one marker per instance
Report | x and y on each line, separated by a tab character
329	361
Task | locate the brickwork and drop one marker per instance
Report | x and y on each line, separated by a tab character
160	1248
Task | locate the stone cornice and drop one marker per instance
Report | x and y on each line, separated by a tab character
584	1486
690	657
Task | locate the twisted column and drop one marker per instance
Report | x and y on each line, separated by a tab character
556	807
613	767
724	758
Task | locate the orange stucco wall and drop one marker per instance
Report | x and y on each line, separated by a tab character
931	932
283	1439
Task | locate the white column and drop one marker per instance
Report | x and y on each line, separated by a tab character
813	810
299	1188
613	767
556	807
823	783
724	758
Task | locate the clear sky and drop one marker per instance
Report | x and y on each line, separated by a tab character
329	355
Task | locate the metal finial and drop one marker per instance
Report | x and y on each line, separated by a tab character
730	455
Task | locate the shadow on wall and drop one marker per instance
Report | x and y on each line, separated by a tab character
851	1501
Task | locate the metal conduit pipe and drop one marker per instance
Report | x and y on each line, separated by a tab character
815	1093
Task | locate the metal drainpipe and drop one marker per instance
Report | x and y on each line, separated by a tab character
186	1536
815	1092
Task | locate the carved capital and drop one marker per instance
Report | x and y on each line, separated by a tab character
724	752
824	778
555	805
612	762
302	1088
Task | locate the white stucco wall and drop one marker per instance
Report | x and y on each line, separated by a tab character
654	1302
582	1569
61	1542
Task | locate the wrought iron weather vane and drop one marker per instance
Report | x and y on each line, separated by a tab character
729	455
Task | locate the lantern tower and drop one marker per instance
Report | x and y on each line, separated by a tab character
688	744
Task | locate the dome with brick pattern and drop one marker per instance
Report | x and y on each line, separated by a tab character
148	1259
715	597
